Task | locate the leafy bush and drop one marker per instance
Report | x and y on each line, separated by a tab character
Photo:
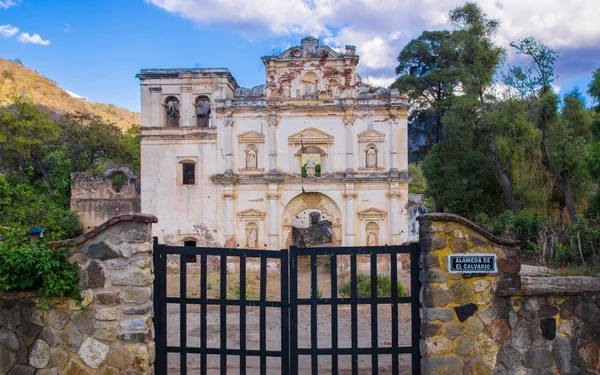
363	289
47	270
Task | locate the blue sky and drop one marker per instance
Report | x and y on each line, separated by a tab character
95	48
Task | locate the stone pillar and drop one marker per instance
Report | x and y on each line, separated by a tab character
273	199
394	132
228	145
111	331
394	197
272	143
229	196
461	327
350	228
186	107
156	109
402	129
349	147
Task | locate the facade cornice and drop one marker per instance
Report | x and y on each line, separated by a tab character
238	179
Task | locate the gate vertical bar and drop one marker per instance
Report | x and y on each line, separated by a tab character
285	308
183	313
314	359
223	315
394	276
374	336
203	296
334	316
293	311
243	314
354	313
415	287
262	315
160	307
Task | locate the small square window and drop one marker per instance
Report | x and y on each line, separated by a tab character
189	173
190	258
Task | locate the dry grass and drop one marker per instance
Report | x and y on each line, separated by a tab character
17	80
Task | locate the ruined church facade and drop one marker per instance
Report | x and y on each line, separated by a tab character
232	167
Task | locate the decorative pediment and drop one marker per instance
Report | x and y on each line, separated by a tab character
310	136
372	213
309	48
251	213
371	135
251	137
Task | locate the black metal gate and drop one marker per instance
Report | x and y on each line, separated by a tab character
289	351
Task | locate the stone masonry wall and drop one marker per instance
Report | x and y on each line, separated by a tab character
501	323
111	333
554	327
461	332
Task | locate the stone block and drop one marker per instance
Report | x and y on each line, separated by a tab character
106	314
106	370
500	330
108	298
442	365
590	354
93	352
60	357
8	359
487	349
137	310
135	336
106	331
141	359
463	345
509	357
548	311
429	329
462	292
429	261
474	325
96	277
76	368
562	350
117	264
28	332
9	339
527	335
478	241
465	311
481	285
487	315
437	346
567	308
588	311
508	266
57	318
438	242
432	276
119	356
458	245
537	359
84	321
453	330
136	295
69	338
132	277
436	298
100	251
10	317
23	370
445	315
34	315
485	297
40	354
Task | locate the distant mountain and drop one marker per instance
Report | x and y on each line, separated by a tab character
17	80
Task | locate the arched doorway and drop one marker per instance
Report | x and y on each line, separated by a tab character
302	206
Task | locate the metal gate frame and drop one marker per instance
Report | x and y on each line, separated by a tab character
288	305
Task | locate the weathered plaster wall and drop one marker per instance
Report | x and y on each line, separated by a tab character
95	200
501	323
112	332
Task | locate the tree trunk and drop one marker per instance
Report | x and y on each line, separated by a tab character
504	181
566	188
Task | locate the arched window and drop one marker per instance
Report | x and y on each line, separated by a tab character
172	112
202	104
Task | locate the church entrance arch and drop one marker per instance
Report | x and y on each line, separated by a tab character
304	203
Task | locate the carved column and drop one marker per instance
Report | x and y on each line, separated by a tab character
156	106
186	107
273	199
228	145
394	146
403	143
349	146
272	143
394	196
350	196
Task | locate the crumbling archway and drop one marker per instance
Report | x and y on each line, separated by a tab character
316	201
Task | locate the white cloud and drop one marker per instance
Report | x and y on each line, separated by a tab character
74	95
7	30
379	82
5	4
380	28
33	39
67	28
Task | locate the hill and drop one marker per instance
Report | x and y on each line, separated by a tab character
16	80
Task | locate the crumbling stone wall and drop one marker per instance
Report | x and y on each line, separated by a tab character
112	332
551	326
501	323
95	200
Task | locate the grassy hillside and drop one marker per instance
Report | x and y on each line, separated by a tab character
17	80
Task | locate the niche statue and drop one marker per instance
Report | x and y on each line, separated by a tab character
251	160
371	158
